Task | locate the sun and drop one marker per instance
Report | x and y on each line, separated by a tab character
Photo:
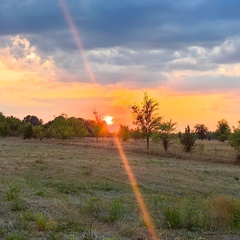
108	120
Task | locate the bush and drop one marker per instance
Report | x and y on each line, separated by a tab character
188	140
172	217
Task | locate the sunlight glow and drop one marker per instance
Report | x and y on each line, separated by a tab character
108	120
138	196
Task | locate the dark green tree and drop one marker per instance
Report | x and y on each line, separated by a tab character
78	127
165	133
201	130
33	120
27	131
223	130
14	125
188	140
234	140
61	127
146	116
39	131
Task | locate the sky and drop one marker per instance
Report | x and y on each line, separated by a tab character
75	56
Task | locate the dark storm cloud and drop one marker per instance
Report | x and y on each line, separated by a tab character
133	24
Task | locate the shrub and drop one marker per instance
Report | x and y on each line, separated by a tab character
188	140
172	217
222	212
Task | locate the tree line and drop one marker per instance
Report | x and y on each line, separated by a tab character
149	125
61	127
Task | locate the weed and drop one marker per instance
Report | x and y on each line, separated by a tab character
94	206
39	161
28	216
172	218
114	212
13	193
41	221
40	193
16	236
16	205
67	188
221	212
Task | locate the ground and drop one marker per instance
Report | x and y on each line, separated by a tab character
78	189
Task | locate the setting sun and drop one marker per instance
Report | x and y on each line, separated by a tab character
108	120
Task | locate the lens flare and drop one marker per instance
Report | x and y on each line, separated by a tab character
132	180
138	196
77	39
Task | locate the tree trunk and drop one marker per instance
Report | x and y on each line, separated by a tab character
147	142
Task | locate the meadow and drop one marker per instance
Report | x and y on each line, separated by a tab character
78	189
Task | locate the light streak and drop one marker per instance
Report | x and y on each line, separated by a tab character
138	196
77	39
132	180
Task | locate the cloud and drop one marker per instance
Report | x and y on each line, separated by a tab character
133	24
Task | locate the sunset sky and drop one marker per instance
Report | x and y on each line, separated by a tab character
79	55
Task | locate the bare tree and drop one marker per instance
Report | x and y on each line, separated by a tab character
146	116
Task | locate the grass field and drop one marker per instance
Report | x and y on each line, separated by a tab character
77	189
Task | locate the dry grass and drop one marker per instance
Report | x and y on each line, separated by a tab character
79	188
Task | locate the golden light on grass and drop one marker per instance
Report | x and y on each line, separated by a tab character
108	120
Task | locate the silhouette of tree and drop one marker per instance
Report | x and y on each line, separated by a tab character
201	131
223	130
146	117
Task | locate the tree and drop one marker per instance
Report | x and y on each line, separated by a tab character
164	133
39	132
61	127
201	130
188	140
78	127
223	130
146	117
33	120
27	131
14	125
124	132
136	134
99	127
234	139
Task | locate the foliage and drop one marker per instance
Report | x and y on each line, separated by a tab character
39	132
99	127
223	130
61	127
33	120
16	236
164	133
172	217
115	211
78	127
27	131
234	138
136	134
9	126
201	131
188	140
146	117
124	132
